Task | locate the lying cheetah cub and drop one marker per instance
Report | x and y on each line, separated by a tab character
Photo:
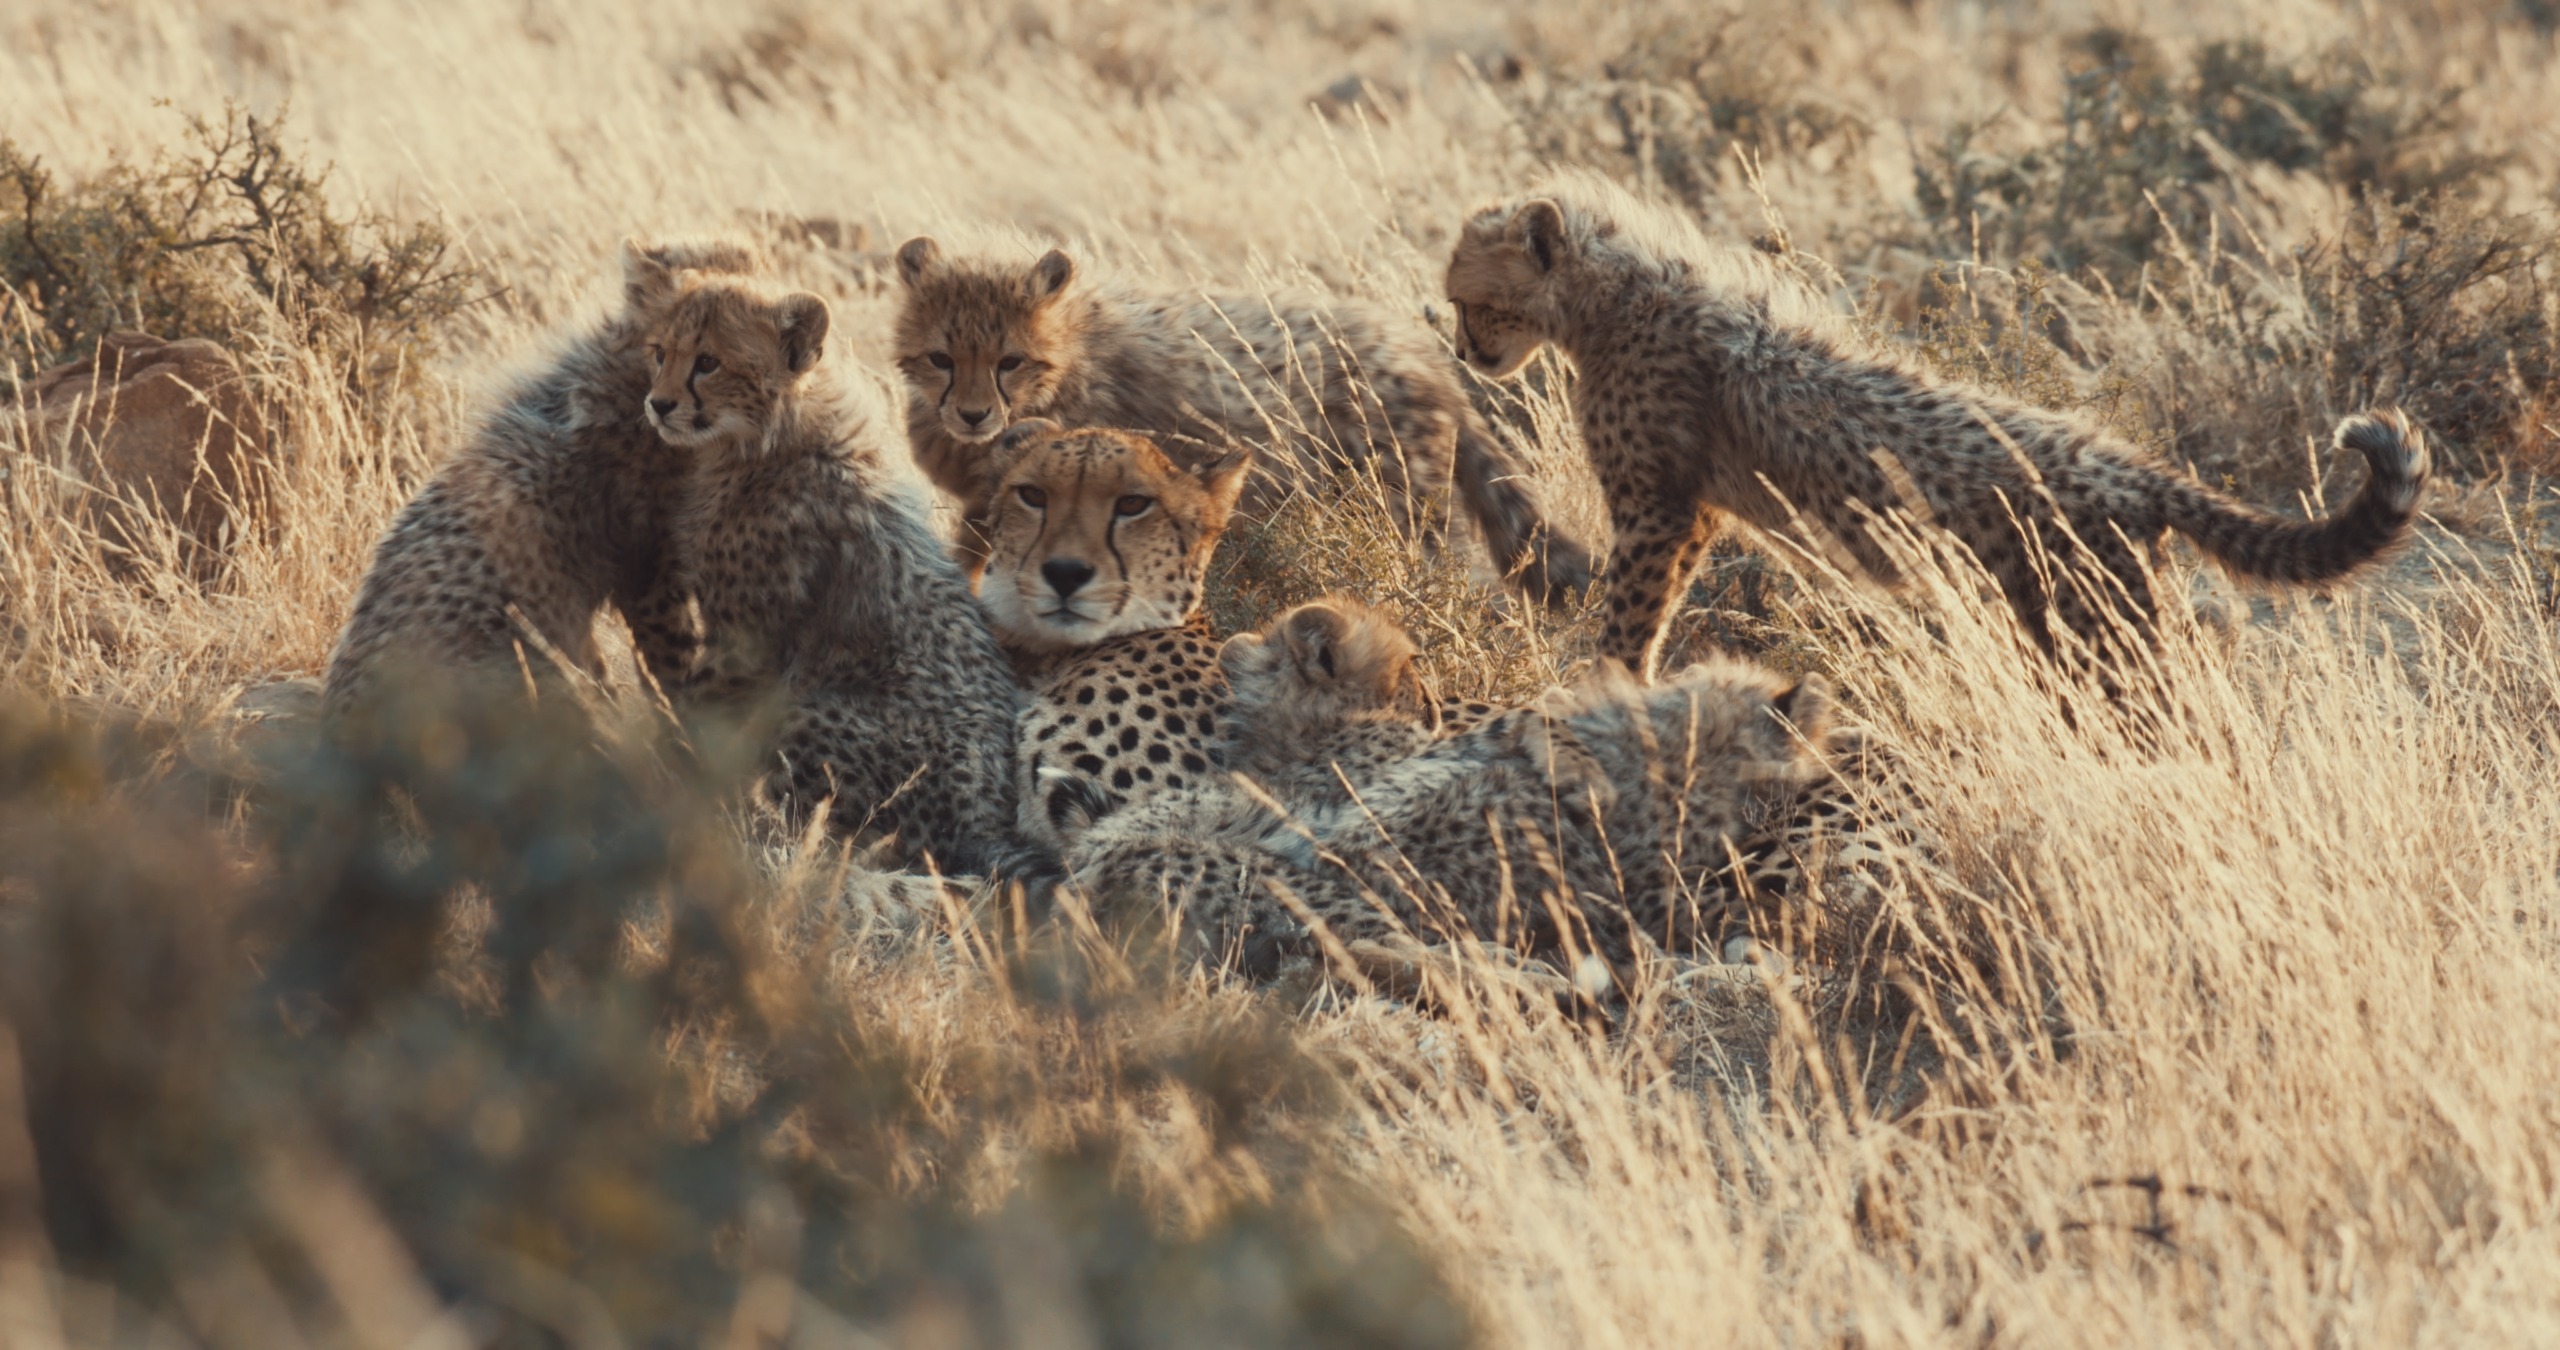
558	504
983	344
1709	384
1322	701
827	601
1099	546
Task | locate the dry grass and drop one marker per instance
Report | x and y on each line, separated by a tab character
2250	1038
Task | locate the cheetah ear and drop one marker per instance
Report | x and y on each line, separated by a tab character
1225	476
1314	633
1050	275
917	257
1808	704
647	278
1540	228
803	319
1017	441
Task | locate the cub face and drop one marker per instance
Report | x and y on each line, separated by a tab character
982	345
1096	533
1323	663
1503	281
724	351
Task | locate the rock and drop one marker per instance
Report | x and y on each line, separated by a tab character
170	424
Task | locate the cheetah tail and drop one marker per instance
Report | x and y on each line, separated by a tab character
2255	544
1542	560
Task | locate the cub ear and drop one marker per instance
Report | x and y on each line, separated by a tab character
916	257
1808	705
1225	476
1314	635
1539	227
647	278
1018	440
803	319
1050	275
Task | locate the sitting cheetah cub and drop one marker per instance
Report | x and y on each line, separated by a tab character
1099	548
1710	384
983	344
559	503
825	595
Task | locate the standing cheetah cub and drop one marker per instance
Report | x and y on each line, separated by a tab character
825	596
984	344
1100	545
1709	384
559	503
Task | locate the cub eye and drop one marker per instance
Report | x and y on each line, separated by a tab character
1132	505
657	355
1010	364
938	360
1032	497
705	364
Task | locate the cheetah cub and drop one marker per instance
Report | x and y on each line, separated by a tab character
1709	384
828	604
1324	700
1099	545
983	344
559	503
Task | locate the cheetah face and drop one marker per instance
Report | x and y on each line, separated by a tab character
724	352
1096	533
1496	342
1325	662
981	345
1504	279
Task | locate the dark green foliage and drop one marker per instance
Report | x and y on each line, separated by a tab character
246	1050
219	238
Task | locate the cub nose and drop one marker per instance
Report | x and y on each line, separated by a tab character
1066	575
662	406
974	418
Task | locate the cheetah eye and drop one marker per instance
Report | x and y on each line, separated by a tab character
1010	364
1131	506
938	360
705	364
657	355
1032	497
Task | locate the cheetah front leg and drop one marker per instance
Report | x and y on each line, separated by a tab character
666	632
1660	541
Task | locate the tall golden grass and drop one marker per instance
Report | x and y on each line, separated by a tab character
2254	1037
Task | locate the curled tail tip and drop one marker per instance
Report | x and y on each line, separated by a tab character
2394	449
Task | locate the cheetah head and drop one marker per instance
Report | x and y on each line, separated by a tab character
1325	663
982	344
1095	533
726	351
1504	283
1724	722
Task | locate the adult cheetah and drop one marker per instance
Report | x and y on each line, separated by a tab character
828	604
1099	548
983	344
1708	384
560	502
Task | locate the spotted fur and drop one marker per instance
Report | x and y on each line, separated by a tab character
1711	385
559	503
836	630
983	344
1100	546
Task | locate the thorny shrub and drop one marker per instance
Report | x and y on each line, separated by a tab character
228	236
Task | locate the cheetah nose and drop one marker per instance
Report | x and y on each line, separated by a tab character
1066	575
662	406
974	418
